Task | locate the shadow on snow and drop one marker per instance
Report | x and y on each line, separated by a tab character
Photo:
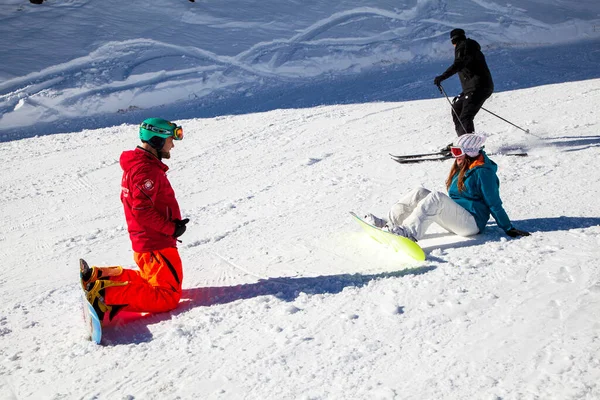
129	328
533	225
575	143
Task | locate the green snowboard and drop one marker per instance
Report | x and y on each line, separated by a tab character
397	242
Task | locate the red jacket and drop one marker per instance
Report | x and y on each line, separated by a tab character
149	201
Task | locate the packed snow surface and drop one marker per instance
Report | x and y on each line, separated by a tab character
70	65
290	109
285	297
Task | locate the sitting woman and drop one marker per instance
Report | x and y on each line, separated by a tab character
473	194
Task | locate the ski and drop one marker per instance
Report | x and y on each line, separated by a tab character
440	156
419	160
511	154
437	153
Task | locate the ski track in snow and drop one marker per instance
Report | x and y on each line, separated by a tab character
284	296
121	77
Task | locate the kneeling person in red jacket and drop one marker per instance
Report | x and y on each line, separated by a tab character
154	224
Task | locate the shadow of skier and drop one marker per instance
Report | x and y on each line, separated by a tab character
574	143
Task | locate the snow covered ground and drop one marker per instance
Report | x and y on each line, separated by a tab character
284	296
70	65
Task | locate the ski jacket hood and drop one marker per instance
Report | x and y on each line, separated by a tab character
148	201
481	196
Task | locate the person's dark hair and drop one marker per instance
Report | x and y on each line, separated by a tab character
456	35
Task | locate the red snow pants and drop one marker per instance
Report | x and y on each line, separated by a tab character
155	288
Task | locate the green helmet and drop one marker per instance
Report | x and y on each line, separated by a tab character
160	128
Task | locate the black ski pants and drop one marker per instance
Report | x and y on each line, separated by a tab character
466	106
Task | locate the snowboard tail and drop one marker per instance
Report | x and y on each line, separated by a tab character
397	242
92	322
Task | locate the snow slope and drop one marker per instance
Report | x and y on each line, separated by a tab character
290	109
285	297
71	65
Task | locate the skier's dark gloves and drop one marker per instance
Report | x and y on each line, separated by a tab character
180	227
512	232
437	81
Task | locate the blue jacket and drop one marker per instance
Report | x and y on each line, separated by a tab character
481	196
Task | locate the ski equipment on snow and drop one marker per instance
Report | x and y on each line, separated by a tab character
91	280
397	242
91	320
441	156
437	153
417	158
90	317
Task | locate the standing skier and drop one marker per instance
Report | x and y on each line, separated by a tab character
154	224
473	194
475	79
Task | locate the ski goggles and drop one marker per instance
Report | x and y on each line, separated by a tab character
176	132
456	151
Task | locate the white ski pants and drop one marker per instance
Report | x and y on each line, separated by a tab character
418	209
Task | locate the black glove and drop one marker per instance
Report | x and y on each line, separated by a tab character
437	81
512	232
180	227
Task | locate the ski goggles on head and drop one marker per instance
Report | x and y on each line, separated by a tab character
456	151
176	132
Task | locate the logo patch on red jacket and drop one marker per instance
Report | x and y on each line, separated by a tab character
148	184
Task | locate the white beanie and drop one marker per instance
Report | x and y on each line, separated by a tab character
471	143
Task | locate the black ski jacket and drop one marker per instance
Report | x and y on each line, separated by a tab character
469	63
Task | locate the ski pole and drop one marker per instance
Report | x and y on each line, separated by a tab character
484	109
516	126
452	107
